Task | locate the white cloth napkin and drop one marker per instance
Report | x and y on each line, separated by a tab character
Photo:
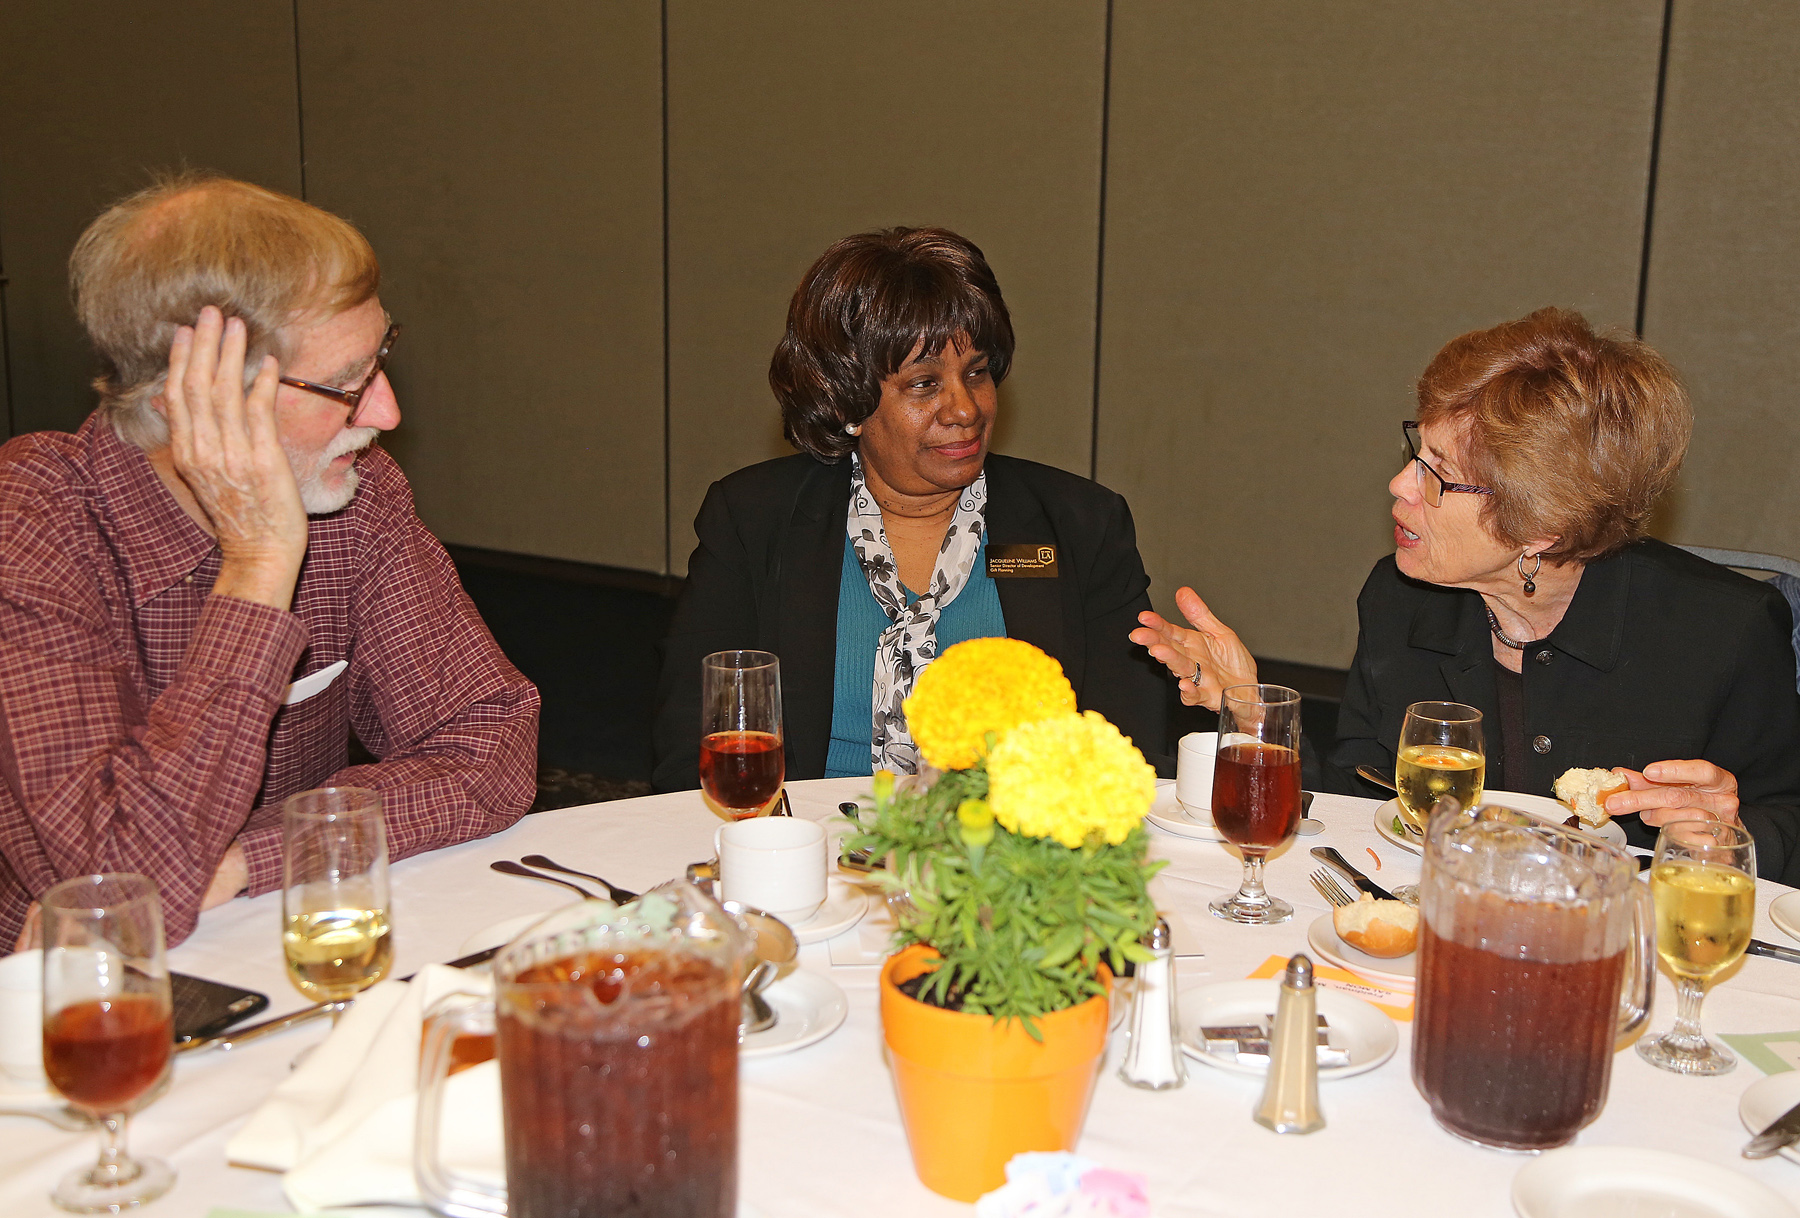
341	1126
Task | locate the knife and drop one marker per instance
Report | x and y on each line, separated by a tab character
1784	1129
1759	948
1331	858
232	1039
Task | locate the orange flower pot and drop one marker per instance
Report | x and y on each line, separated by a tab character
974	1093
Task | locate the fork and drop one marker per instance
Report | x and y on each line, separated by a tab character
1329	888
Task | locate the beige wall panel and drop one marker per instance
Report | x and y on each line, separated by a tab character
795	122
95	95
1724	284
1304	203
507	165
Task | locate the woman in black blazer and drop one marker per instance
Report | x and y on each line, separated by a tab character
887	375
1523	585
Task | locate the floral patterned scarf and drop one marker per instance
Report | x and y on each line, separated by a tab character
908	645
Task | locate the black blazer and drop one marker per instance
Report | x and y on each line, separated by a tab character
766	573
1660	656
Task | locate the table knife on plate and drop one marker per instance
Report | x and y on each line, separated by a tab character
1784	1130
1331	858
230	1039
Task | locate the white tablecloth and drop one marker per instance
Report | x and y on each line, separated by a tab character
821	1132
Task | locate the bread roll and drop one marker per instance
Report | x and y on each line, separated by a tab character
1380	928
1581	792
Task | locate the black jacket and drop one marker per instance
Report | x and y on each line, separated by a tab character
766	573
1661	656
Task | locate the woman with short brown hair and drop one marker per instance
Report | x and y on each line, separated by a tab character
1523	584
895	533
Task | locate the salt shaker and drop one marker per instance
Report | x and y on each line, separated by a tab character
1152	1060
1290	1099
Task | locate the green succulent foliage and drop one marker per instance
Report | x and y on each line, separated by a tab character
1022	924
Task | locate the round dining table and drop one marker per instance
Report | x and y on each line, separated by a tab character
820	1132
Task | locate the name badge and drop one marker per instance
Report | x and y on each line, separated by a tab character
1021	562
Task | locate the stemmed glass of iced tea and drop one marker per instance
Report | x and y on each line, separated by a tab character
1256	791
741	758
108	1025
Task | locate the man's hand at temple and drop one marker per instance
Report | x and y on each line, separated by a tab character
225	448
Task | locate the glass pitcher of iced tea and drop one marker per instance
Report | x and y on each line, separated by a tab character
616	1030
1536	959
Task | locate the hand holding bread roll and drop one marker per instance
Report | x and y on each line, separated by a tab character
1584	793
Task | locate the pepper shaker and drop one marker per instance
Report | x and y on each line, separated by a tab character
1290	1099
1152	1060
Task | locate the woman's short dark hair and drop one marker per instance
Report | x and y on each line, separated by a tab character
859	313
1578	433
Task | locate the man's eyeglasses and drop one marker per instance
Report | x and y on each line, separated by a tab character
351	397
1434	488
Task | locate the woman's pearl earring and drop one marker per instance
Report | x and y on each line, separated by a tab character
853	429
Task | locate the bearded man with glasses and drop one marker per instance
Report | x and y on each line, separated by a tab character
215	581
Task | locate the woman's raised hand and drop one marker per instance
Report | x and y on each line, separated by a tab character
1209	658
1677	790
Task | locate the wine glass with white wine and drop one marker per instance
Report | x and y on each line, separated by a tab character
334	893
1704	885
1441	753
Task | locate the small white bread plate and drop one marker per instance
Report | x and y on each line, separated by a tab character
1784	911
1171	816
1369	1036
1399	972
1531	805
808	1007
1600	1181
845	904
1768	1099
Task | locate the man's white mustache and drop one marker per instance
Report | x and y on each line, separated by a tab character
353	440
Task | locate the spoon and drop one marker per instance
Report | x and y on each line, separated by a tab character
619	895
775	946
508	867
1308	826
1375	776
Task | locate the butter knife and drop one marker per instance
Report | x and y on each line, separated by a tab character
1784	1130
232	1038
1331	858
1759	948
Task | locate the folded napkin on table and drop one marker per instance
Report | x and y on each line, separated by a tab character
341	1126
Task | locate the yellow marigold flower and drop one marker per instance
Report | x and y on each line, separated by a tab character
982	686
1067	777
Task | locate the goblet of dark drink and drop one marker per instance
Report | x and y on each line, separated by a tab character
1256	791
742	763
742	771
107	1025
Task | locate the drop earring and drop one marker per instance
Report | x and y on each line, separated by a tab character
1530	577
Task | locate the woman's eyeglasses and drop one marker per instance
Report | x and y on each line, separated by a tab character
351	397
1435	487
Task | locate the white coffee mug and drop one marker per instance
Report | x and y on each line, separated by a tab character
1194	770
22	1016
775	863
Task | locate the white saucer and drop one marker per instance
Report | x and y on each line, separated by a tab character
1368	1034
808	1007
1583	1181
845	904
1399	972
1172	816
1532	805
1765	1100
1784	911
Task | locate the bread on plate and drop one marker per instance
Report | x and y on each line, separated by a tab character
1381	928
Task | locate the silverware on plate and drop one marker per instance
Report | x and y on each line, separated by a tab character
1329	888
1331	858
619	895
1784	1130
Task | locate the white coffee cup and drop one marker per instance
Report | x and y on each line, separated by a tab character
776	863
1194	770
22	1016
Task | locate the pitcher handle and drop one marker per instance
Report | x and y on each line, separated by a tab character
446	1192
1639	988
